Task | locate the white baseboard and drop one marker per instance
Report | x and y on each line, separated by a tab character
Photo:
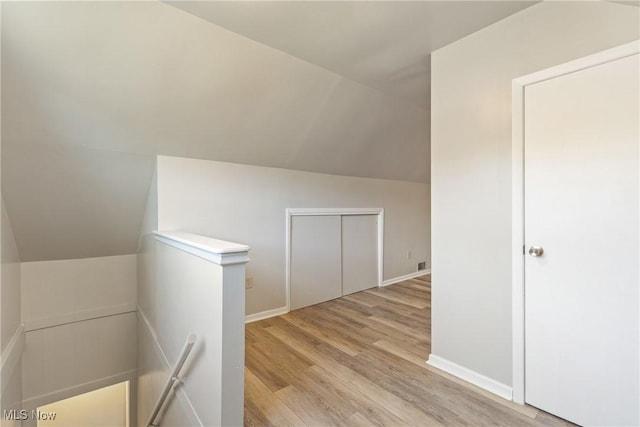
265	314
45	399
405	277
486	383
11	355
283	310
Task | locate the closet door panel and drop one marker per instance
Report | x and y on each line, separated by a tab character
316	273
359	253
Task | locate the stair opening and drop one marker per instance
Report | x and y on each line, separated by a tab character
104	407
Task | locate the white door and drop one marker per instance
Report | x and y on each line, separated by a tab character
581	206
316	273
359	253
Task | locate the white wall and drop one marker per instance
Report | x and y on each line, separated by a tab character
152	374
105	407
471	167
63	361
10	292
152	369
54	292
247	204
146	255
80	324
12	335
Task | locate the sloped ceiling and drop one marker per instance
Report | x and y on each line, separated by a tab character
381	44
92	91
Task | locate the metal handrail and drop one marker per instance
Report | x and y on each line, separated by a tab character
172	381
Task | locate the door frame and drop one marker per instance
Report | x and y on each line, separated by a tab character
517	194
291	212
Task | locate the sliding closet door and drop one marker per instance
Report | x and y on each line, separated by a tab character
359	253
316	273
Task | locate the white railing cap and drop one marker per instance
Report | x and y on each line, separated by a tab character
203	243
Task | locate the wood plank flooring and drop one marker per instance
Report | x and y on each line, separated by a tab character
360	361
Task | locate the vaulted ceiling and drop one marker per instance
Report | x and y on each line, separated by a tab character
381	44
92	91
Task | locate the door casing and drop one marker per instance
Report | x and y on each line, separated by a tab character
517	195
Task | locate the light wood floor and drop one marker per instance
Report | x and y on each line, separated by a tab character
360	360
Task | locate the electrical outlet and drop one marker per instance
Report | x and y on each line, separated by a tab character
248	283
422	265
408	254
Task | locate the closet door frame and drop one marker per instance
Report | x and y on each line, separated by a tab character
291	212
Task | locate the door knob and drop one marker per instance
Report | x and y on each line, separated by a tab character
536	251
